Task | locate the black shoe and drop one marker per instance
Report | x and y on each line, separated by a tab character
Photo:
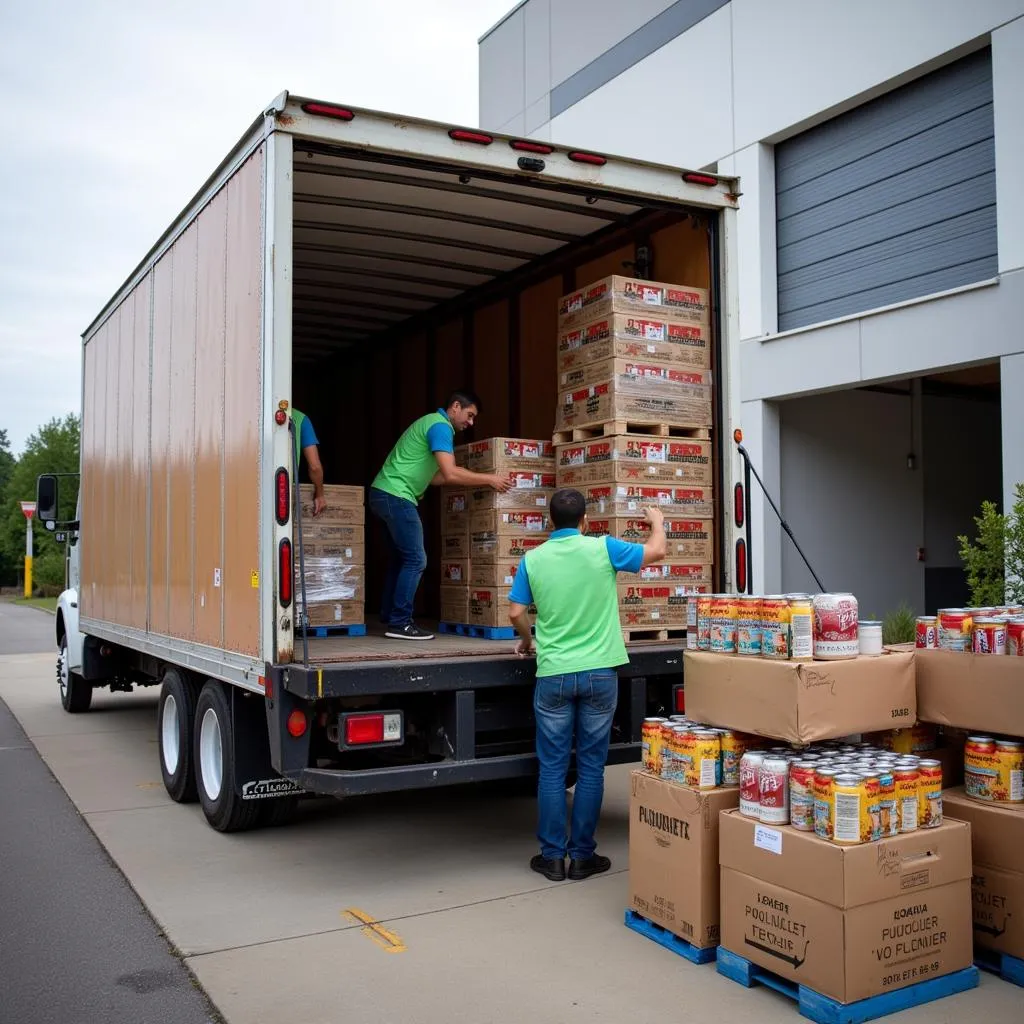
410	631
580	869
553	870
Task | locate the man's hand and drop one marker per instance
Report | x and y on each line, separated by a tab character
524	648
500	484
654	515
319	505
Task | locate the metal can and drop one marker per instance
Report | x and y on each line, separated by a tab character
668	750
748	625
981	768
907	783
703	622
801	627
926	632
835	627
801	795
723	623
955	629
683	752
650	744
1015	636
750	783
774	789
824	808
850	818
887	802
929	794
775	627
691	623
733	748
1010	758
988	636
702	772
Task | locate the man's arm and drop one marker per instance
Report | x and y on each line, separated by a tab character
520	598
657	544
316	477
449	473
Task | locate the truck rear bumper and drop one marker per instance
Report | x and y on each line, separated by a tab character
339	783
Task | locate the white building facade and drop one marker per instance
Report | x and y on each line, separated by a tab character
880	152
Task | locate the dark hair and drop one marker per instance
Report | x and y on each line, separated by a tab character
464	397
568	507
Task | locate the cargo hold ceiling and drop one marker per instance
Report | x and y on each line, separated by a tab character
378	243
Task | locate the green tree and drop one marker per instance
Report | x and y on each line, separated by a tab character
8	571
994	560
53	448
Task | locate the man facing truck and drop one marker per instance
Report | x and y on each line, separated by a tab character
571	579
307	444
423	456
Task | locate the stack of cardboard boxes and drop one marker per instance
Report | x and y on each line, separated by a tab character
486	533
334	559
634	356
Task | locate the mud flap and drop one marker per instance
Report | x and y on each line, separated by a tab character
255	777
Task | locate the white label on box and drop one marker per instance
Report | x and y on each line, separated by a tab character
655	614
652	349
632	506
568	400
652	296
509	580
679	472
542	502
654	332
348	552
769	839
337	613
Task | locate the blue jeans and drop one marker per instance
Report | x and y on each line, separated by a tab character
407	557
583	702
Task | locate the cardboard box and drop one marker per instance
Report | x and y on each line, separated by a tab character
689	406
505	523
971	691
499	573
848	922
488	606
489	547
678	303
689	540
349	554
627	501
997	839
331	613
529	491
655	605
336	495
329	579
454	570
456	545
673	855
316	532
634	458
455	603
502	454
643	337
639	377
800	702
673	573
455	510
333	515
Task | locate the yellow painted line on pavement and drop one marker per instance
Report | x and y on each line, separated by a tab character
149	785
388	941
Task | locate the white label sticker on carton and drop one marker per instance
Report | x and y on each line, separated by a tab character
655	614
542	502
348	552
631	505
509	580
652	349
769	839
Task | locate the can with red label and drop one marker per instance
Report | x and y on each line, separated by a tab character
773	780
801	795
989	635
750	785
1015	636
926	632
955	629
835	627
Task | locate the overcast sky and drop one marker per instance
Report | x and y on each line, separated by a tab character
116	111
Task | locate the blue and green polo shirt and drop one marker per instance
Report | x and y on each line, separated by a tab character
572	581
410	466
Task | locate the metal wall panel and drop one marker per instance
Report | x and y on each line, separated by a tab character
680	255
91	449
120	553
106	567
451	367
160	451
538	363
490	369
242	408
138	468
891	201
209	423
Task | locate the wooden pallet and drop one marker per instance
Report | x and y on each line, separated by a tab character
588	431
357	629
826	1010
662	936
631	634
1009	968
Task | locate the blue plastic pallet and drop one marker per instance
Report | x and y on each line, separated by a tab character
665	938
479	632
826	1010
322	631
1009	968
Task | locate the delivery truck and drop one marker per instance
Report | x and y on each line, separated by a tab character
360	265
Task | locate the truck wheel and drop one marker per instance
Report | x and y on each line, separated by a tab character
278	812
214	755
176	715
75	692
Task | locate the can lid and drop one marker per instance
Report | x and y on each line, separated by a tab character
848	779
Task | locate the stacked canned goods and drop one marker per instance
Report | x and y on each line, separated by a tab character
994	769
690	753
778	626
973	630
844	793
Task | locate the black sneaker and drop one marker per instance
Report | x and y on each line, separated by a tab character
553	870
580	869
410	631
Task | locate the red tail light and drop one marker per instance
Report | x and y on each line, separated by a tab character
267	683
588	158
372	729
741	566
700	179
739	506
328	110
531	147
679	699
461	135
297	723
284	572
282	495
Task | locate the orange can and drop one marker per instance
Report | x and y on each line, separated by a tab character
1010	760
703	622
650	744
851	821
748	625
929	794
724	621
776	640
824	803
906	778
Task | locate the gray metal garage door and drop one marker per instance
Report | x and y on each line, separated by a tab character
893	200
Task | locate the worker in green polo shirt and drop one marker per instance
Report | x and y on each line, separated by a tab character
423	455
307	445
571	579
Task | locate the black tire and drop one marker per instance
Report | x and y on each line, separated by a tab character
278	812
175	721
75	692
214	758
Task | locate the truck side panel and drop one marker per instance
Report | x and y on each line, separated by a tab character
122	518
160	452
138	472
242	408
90	489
